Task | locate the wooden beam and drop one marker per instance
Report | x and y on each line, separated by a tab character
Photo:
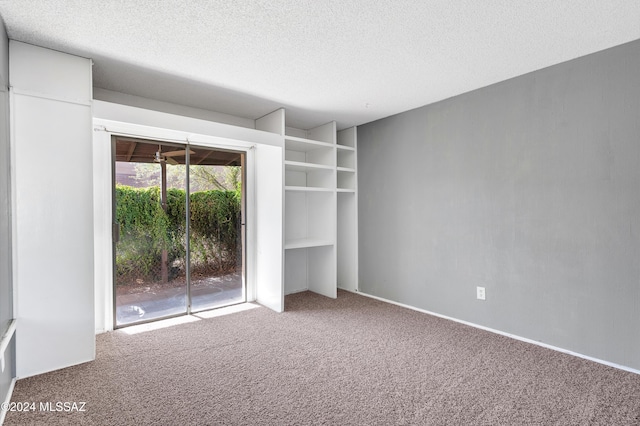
131	149
203	158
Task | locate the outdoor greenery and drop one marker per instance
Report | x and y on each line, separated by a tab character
202	177
146	229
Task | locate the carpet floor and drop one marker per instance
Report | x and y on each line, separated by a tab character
349	361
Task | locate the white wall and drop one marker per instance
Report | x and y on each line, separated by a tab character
264	193
160	106
52	208
269	222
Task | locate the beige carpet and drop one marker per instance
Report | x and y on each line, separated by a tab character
350	361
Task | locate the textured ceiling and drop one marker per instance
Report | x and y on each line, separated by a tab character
350	61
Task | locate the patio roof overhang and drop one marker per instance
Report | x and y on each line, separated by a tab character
144	151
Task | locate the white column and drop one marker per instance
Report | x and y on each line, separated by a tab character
51	139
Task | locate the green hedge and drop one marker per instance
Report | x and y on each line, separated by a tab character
146	230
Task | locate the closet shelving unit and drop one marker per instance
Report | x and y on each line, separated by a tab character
347	209
309	214
320	214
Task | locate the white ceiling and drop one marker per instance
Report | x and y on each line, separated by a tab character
350	61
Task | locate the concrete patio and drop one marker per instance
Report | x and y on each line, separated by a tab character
147	302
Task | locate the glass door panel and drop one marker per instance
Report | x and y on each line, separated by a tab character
216	228
150	273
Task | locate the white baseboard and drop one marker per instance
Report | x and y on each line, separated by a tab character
502	333
294	291
7	400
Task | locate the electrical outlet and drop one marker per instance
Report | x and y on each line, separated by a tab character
480	293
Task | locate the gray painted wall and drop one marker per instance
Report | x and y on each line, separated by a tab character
530	188
6	295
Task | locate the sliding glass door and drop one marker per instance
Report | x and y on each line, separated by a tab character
216	244
173	253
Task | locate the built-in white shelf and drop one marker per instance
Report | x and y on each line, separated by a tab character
304	145
347	139
311	268
346	179
298	166
307	189
306	243
323	155
347	209
309	177
346	169
346	159
310	215
310	209
320	215
347	240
